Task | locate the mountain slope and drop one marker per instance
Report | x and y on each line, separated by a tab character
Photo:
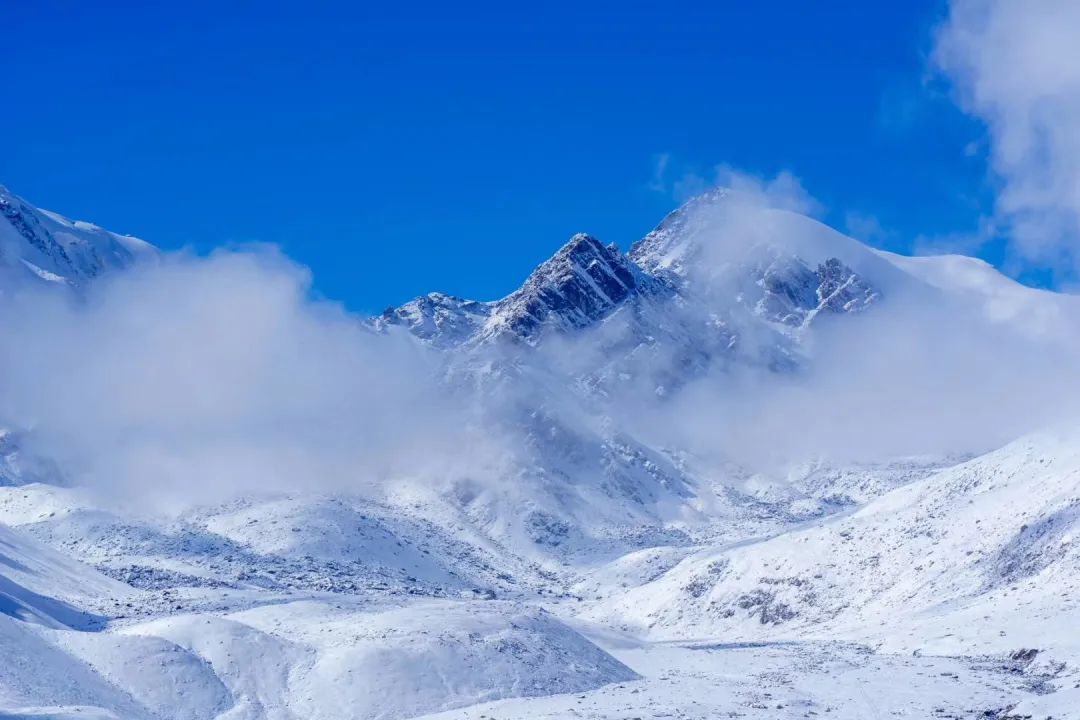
44	245
955	543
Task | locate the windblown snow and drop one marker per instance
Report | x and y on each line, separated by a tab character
749	468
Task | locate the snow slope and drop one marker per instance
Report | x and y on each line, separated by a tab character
48	247
965	542
291	658
41	586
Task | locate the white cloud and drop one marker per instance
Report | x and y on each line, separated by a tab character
660	168
1013	65
783	191
866	228
921	372
194	378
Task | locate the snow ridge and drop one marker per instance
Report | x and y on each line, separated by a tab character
49	247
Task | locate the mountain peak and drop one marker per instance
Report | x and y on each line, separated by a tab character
669	248
785	268
581	238
581	283
443	320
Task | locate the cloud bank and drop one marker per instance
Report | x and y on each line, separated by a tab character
954	358
1013	66
196	379
177	381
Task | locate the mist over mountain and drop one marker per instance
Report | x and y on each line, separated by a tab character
223	497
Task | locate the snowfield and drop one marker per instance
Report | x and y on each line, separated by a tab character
684	492
971	534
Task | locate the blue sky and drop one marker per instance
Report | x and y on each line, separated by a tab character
397	150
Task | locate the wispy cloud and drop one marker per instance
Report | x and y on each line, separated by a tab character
1012	65
658	183
782	190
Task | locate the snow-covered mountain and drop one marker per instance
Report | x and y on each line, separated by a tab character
49	247
586	283
750	467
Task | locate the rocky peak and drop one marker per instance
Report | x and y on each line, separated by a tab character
581	283
655	287
792	293
440	319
